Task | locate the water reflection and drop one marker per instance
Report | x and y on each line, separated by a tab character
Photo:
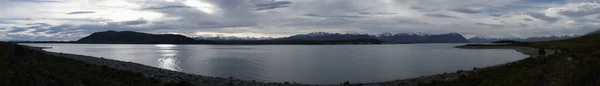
248	65
167	58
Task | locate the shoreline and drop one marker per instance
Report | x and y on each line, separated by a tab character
193	79
531	52
164	75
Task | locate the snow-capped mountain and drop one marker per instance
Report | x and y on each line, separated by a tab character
478	39
232	38
329	36
422	38
388	37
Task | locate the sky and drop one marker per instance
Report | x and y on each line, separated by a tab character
63	20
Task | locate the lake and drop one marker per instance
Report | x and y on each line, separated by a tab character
309	64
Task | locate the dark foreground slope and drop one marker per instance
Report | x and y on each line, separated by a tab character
576	64
22	66
25	66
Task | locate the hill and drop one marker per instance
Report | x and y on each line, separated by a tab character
130	37
23	66
574	64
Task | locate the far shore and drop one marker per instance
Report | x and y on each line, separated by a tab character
531	52
199	80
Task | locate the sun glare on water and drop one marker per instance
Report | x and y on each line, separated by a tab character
168	58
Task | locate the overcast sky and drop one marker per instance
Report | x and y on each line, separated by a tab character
73	19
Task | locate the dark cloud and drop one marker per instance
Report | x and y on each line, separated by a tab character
490	25
378	13
316	22
365	13
496	15
410	21
422	9
543	17
12	20
332	16
580	11
383	13
17	29
466	10
166	7
56	29
442	16
272	5
81	12
523	25
39	24
527	19
37	1
32	26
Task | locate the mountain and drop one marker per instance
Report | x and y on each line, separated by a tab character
387	37
422	38
478	39
130	37
219	38
328	36
597	31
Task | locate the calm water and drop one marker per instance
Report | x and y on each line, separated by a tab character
311	64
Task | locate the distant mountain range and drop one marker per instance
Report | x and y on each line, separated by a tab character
422	38
478	39
219	38
130	37
387	37
597	31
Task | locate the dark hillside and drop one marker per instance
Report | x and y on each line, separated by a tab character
23	66
130	37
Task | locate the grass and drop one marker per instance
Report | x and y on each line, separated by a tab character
578	64
23	66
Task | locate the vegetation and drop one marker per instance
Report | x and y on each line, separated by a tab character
576	65
24	66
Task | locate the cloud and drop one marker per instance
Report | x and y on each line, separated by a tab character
40	24
523	25
333	16
166	7
81	12
272	5
22	19
490	25
543	17
466	10
496	15
37	1
442	16
134	22
527	19
579	10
